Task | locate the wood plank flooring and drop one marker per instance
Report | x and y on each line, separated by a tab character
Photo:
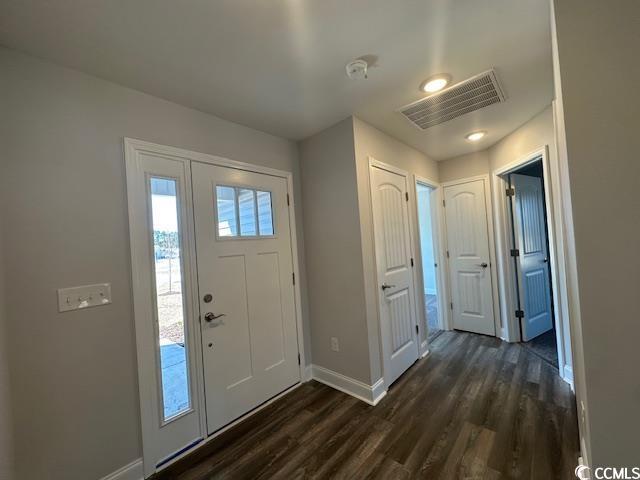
475	408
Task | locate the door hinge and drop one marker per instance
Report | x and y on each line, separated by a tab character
293	276
298	359
447	253
511	192
406	195
444	204
288	199
412	262
417	330
451	304
515	252
519	313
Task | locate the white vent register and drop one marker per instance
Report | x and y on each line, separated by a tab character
467	96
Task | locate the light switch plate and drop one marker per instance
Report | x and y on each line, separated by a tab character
77	298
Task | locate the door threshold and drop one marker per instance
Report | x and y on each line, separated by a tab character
201	443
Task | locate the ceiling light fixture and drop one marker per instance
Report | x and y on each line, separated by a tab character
435	83
475	136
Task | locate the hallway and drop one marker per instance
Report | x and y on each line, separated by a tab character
475	408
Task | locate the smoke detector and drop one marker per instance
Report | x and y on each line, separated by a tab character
357	70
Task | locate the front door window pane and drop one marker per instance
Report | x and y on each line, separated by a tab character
244	212
265	217
169	298
226	201
247	212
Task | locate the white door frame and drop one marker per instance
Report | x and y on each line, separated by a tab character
492	250
142	304
444	313
507	285
412	207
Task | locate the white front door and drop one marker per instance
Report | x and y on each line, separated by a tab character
398	319
469	259
245	282
533	260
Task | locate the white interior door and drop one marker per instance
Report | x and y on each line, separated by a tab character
245	281
395	277
533	260
469	259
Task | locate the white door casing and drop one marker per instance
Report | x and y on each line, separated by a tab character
162	438
533	259
393	250
251	353
467	229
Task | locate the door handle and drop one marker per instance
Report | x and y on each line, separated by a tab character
385	286
483	265
546	260
210	316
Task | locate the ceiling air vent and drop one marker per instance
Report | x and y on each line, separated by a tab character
464	97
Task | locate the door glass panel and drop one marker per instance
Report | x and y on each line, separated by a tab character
169	298
265	217
226	201
247	212
244	212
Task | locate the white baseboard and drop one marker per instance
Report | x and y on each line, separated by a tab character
370	394
133	471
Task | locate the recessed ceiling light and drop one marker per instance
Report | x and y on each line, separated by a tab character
435	83
475	136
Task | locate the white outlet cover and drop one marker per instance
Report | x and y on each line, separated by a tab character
86	296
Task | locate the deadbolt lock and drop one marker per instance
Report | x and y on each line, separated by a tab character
207	298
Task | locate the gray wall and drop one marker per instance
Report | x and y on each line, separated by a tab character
74	387
333	252
599	74
6	447
532	135
339	241
469	165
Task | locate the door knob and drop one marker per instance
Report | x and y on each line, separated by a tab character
385	286
210	316
484	265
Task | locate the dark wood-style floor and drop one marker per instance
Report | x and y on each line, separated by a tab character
475	408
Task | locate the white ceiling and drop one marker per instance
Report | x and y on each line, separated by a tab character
278	65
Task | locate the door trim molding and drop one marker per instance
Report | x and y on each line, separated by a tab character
371	394
506	277
132	148
444	313
492	250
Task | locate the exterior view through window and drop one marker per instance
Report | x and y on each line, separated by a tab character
244	212
169	297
